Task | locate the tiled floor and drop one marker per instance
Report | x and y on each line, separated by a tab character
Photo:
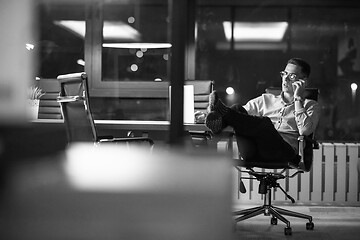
330	222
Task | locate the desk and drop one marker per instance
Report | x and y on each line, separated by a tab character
156	127
63	197
157	130
132	125
146	125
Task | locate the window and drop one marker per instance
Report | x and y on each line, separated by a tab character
327	37
133	50
123	73
60	47
135	45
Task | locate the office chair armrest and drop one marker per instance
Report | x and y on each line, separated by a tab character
306	144
315	144
129	139
306	139
301	144
200	134
69	99
107	137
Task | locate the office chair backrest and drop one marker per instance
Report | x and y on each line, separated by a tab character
313	94
75	108
202	90
310	93
49	108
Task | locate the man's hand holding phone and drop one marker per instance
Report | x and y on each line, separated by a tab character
299	87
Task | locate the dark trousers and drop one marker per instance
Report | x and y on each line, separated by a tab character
257	136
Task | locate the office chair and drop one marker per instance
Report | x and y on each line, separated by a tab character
268	180
49	108
76	111
202	90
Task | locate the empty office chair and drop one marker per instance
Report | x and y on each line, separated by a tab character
202	90
269	179
76	110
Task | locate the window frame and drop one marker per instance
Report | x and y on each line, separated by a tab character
93	59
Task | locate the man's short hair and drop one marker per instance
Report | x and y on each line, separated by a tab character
305	67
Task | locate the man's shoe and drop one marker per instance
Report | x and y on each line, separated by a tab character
213	98
214	122
216	105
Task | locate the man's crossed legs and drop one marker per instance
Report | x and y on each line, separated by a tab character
260	131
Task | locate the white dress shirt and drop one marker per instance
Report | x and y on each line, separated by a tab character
288	122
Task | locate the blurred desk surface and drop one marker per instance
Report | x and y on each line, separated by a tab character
141	125
135	125
119	193
147	125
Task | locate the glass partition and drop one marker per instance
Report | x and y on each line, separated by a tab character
125	48
131	49
60	45
329	38
245	47
135	45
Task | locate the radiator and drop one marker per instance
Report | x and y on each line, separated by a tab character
334	178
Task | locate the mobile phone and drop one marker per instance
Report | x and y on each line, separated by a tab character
297	81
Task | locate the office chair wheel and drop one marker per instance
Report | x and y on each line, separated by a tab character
273	221
288	231
310	226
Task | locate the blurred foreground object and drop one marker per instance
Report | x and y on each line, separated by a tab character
17	29
111	192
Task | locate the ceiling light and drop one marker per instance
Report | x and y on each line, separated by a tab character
137	45
119	30
139	54
76	27
256	31
230	90
113	30
134	67
131	19
354	86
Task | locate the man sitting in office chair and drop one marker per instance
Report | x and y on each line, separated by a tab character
272	123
